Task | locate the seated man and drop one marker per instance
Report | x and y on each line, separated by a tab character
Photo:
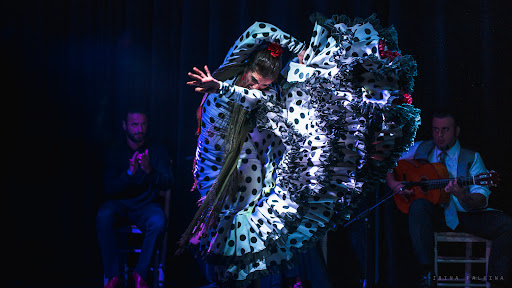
135	172
466	209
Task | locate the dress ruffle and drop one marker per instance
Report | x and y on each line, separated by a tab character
342	126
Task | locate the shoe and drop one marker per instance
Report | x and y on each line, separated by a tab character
113	282
139	282
294	282
427	280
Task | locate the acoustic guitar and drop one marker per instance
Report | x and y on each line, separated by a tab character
428	180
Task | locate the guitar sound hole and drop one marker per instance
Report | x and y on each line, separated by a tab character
423	185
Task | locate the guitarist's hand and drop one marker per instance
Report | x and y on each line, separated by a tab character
406	193
398	186
469	201
454	189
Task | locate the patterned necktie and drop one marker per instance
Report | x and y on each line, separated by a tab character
450	211
442	157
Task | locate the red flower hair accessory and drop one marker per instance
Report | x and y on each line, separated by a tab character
275	49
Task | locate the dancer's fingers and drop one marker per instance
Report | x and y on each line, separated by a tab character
199	72
207	71
193	83
195	76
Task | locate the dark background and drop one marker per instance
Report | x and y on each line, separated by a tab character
70	67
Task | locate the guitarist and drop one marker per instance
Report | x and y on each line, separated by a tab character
465	211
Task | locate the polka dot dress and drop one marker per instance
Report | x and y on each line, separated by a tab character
338	127
246	225
319	145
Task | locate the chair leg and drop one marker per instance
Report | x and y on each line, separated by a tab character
467	268
436	254
487	253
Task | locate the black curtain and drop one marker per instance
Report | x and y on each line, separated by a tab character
70	67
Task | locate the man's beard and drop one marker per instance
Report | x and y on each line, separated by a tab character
137	137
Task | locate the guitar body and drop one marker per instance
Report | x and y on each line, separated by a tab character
415	171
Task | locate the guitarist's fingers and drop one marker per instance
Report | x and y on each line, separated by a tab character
405	192
450	186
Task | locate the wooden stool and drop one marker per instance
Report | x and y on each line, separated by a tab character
468	259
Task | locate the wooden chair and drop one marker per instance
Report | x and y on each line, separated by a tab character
468	259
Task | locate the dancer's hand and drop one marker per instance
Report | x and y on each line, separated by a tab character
205	82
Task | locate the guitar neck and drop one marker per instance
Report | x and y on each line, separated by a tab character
442	183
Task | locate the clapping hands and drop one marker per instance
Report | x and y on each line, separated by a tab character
140	160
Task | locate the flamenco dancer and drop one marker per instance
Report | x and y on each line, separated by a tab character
231	154
339	125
